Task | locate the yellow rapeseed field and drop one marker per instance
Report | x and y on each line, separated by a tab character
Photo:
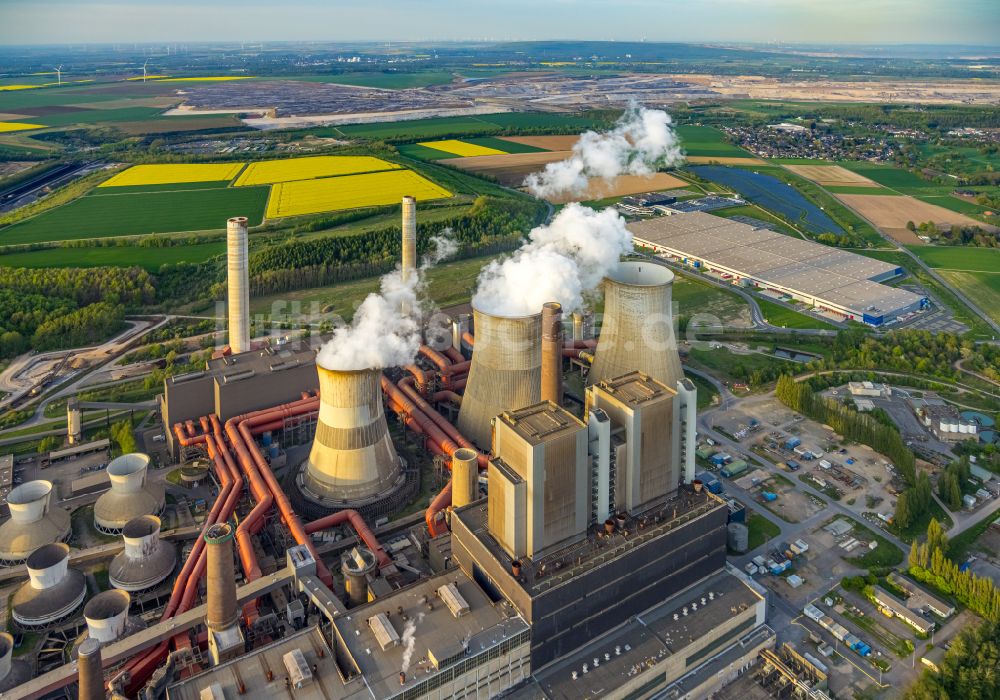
5	88
461	148
174	173
205	78
349	192
268	172
18	126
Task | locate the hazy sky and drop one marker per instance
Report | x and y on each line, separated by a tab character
851	21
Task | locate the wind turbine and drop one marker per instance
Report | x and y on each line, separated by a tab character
59	74
144	70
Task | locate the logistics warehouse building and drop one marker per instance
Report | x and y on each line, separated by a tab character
831	279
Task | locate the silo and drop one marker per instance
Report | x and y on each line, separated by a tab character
637	332
74	430
237	261
131	494
146	560
53	590
352	456
505	373
738	537
464	477
356	565
33	522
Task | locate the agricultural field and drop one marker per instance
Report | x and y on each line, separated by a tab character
708	141
173	173
439	127
621	186
463	149
496	145
102	214
558	142
831	176
7	127
983	287
349	192
894	212
508	169
960	258
894	178
267	172
150	258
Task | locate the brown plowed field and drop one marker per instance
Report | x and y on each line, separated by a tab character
549	143
623	185
888	212
510	169
831	175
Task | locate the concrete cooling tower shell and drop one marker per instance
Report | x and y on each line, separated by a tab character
146	560
130	496
107	618
53	590
13	672
505	374
352	456
637	332
33	522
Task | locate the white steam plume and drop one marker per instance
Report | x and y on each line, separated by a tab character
386	329
641	141
409	641
561	261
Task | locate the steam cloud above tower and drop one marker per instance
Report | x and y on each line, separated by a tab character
559	262
642	141
385	331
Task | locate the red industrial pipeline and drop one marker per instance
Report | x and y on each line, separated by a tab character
446	395
423	377
457	368
435	357
454	355
469	338
406	385
361	528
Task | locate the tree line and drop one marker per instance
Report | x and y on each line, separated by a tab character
969	669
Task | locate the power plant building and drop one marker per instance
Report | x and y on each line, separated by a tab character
839	281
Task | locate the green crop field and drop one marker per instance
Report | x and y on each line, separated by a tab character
983	287
778	315
98	116
708	141
962	206
117	256
894	178
959	258
99	215
858	189
470	126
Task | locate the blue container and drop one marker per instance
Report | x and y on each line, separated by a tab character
273	451
266	438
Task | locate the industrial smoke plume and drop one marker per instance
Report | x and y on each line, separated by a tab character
382	334
561	261
642	141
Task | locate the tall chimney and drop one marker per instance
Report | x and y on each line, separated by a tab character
91	671
552	342
239	288
225	638
464	477
409	262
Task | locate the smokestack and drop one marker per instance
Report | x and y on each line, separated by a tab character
464	477
409	262
638	328
552	342
356	565
505	373
239	288
352	456
73	429
220	597
91	671
578	327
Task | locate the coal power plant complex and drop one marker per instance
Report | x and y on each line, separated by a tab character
490	501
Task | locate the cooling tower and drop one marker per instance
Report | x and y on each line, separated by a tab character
638	330
505	373
13	672
91	671
73	429
146	560
352	457
107	618
33	522
237	261
130	496
52	591
464	477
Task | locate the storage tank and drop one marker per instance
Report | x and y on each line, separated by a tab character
53	590
637	332
131	494
356	565
146	560
74	431
33	522
505	373
739	537
352	456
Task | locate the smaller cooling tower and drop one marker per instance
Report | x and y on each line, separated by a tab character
33	522
130	496
146	561
637	333
52	591
505	373
13	672
107	618
352	457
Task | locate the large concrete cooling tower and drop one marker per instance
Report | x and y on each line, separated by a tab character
638	328
237	260
352	457
146	560
13	672
505	374
130	496
52	591
33	522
